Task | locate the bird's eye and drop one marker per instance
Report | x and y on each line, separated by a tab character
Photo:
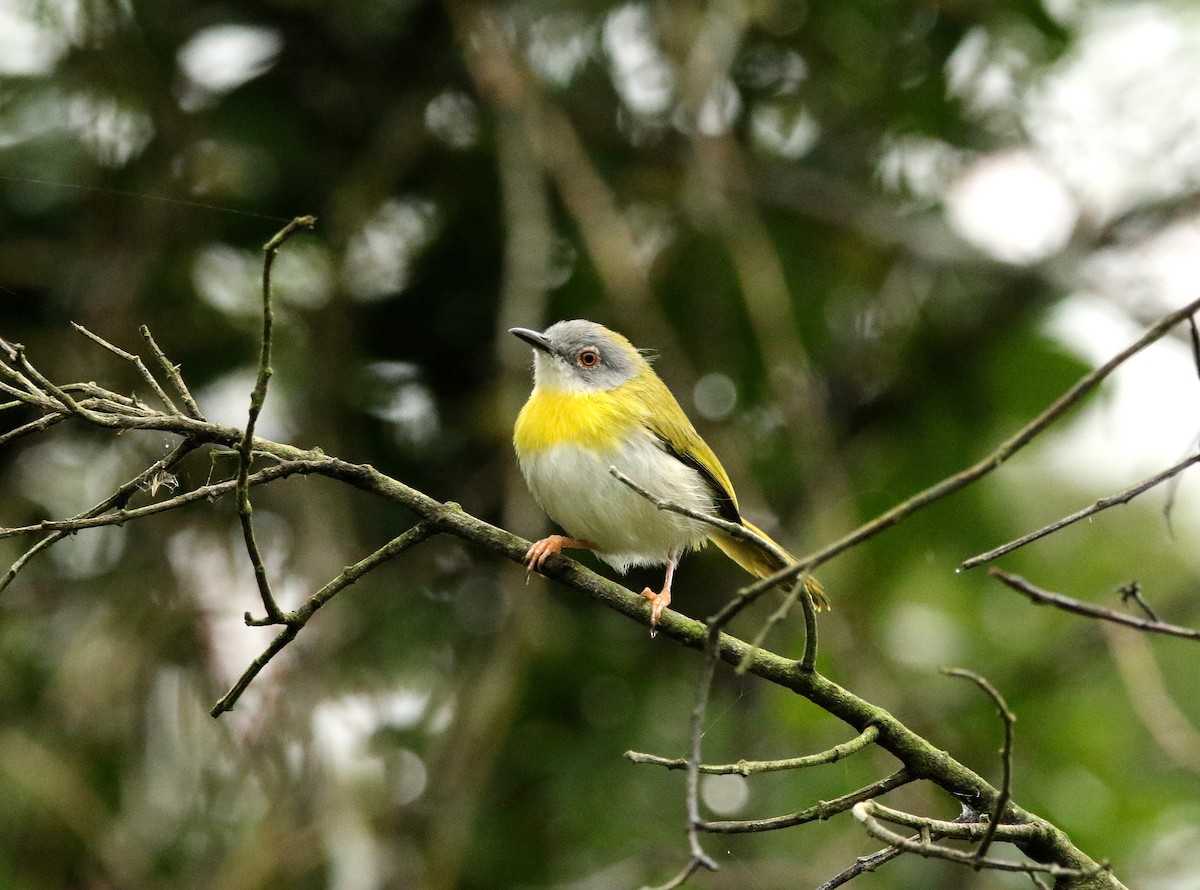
589	358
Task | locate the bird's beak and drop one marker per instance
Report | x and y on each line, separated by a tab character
533	338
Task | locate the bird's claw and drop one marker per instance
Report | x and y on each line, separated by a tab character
659	602
539	552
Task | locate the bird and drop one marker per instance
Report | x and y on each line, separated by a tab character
598	404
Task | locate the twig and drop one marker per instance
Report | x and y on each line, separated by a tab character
173	375
864	865
1009	719
800	592
117	500
135	360
34	426
693	866
733	529
699	711
1133	591
1066	603
204	493
295	621
750	767
274	615
730	610
821	811
868	813
1122	497
64	398
960	480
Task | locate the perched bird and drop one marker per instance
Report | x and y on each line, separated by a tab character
597	403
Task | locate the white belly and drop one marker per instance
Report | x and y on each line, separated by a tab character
574	486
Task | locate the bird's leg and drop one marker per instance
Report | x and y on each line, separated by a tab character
662	599
536	555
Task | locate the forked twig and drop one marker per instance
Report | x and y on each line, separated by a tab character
274	615
1069	604
1009	719
135	360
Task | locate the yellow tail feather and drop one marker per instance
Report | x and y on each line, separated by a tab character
761	563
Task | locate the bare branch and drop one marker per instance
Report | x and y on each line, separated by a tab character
1067	604
117	500
257	398
1122	497
137	363
204	493
1133	591
821	811
1009	719
869	813
1002	453
294	621
173	375
731	609
750	767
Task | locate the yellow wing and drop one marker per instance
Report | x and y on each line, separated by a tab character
672	427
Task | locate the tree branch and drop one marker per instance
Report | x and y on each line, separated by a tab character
1002	453
750	767
1122	497
1068	604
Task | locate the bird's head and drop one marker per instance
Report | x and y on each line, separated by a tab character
582	356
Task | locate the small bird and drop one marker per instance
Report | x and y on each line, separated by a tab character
596	404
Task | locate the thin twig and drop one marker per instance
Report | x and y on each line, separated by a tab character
733	529
681	878
1133	591
699	712
1121	497
1068	604
750	767
867	814
204	493
258	397
64	398
117	500
864	865
173	375
821	811
1009	719
997	457
136	360
296	620
730	610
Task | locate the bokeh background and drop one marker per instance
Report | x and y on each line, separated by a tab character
868	239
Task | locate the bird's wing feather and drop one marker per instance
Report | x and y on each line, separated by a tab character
680	440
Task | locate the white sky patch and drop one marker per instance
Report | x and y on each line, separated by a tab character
640	72
1155	273
1145	419
221	58
1119	116
1011	206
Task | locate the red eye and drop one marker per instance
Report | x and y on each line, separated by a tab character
589	358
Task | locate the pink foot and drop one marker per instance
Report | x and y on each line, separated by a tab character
659	601
540	551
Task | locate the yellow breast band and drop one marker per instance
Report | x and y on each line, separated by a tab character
598	421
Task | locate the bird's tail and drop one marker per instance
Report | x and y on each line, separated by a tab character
760	563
